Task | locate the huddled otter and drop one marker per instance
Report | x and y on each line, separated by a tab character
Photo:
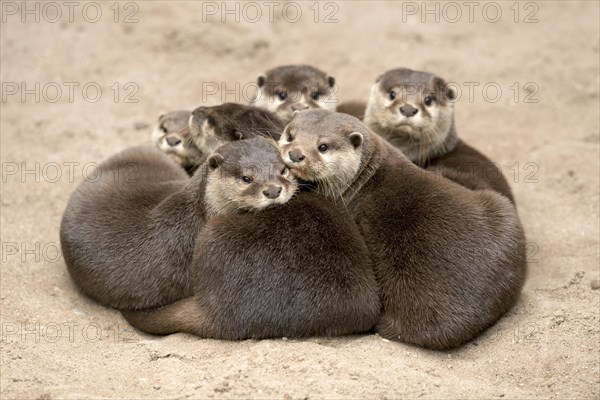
352	107
128	236
289	88
414	111
172	136
214	126
189	137
298	270
449	261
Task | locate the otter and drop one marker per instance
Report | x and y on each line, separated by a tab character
298	270
128	236
355	108
188	137
289	88
414	111
449	261
214	126
172	136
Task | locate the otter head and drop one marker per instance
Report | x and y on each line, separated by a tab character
212	127
324	148
172	136
286	89
247	175
414	111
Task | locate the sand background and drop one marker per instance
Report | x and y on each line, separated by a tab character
58	344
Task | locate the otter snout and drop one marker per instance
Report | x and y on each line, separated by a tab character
173	141
296	156
408	111
272	192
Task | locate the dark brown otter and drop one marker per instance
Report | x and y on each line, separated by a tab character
288	88
298	270
352	107
449	261
128	236
189	137
212	127
414	111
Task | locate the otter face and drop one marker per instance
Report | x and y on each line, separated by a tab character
286	89
410	106
247	175
317	148
172	136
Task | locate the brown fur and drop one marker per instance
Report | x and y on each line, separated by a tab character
212	127
203	130
429	137
172	136
288	88
128	237
355	108
297	270
449	261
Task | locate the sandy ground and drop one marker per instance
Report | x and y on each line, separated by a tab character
58	344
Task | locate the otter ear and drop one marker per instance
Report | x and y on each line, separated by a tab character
450	93
446	92
378	78
237	135
215	160
260	81
331	81
356	138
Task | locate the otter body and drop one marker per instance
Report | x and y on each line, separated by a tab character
414	111
128	238
449	261
298	270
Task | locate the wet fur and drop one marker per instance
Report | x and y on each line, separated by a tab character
301	269
449	261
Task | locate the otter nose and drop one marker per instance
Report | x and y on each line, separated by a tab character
173	141
296	156
299	107
408	110
272	192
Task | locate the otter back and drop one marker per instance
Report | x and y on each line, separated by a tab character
297	270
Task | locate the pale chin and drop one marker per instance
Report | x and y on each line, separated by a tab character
406	126
296	173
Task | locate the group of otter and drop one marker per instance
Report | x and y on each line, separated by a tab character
301	221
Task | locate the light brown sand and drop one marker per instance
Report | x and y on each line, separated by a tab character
58	344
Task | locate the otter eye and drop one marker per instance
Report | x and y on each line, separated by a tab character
315	95
392	95
428	100
163	129
289	137
284	171
282	95
323	148
246	179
